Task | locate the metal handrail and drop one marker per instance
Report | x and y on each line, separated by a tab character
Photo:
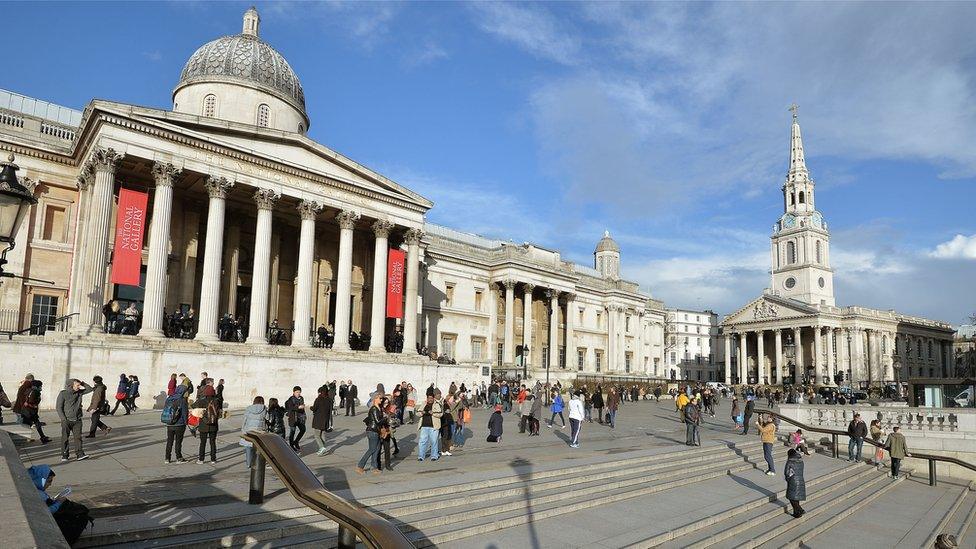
11	333
354	519
834	433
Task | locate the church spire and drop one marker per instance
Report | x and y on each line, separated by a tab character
798	166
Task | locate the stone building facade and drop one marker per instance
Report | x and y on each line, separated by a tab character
249	217
694	351
794	333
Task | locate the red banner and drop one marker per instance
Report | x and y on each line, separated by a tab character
394	284
129	227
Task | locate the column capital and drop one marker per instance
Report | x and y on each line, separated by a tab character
86	175
347	219
105	159
382	228
266	198
164	173
528	287
308	209
509	284
568	297
412	236
217	186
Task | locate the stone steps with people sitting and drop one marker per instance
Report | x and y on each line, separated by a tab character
488	498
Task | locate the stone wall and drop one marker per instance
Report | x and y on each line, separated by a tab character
941	431
268	371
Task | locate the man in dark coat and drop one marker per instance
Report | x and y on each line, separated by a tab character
68	407
22	392
796	487
747	413
692	420
343	389
352	392
97	407
495	425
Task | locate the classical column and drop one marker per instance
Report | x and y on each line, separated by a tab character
232	258
570	337
509	343
377	317
261	276
492	344
798	369
86	179
553	296
728	357
527	320
872	357
778	332
104	163
307	210
155	295
760	357
611	336
743	358
831	360
347	223
412	238
817	354
857	354
217	188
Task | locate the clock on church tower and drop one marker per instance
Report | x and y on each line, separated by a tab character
800	242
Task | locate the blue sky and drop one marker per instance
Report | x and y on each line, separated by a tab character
664	123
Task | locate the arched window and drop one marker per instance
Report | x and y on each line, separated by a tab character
210	105
818	252
792	199
264	115
790	253
801	197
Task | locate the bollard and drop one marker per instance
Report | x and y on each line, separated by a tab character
833	446
347	538
932	478
256	494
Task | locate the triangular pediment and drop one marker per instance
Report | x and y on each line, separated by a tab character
769	308
293	150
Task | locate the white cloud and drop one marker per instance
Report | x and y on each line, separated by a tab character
960	247
426	54
532	28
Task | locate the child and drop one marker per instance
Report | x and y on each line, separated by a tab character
796	440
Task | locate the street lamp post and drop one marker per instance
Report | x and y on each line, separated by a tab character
15	201
896	366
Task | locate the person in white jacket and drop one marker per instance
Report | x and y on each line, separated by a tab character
575	419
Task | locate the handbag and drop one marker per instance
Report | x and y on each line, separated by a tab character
121	395
193	421
466	416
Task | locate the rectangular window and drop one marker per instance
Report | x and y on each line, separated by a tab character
448	344
580	359
44	309
449	294
627	323
598	360
627	359
500	354
477	348
54	224
711	376
562	357
674	357
479	296
545	356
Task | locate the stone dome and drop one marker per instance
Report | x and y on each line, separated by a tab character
607	244
247	60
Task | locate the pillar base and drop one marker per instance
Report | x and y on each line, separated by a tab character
258	343
87	329
152	333
206	338
377	349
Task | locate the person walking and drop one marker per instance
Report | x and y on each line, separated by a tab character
342	395
68	406
352	393
876	435
209	422
679	404
796	487
30	409
171	386
253	421
897	450
747	413
576	414
175	414
97	407
535	412
692	415
767	434
856	430
430	412
495	423
736	424
121	395
613	401
276	418
295	408
557	408
133	394
374	418
321	414
22	393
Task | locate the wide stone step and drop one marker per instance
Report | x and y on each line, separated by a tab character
952	519
966	533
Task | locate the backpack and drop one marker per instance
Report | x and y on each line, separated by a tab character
72	519
171	411
211	415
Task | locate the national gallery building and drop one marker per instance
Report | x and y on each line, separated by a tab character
239	242
795	333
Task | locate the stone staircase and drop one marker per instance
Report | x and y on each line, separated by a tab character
497	509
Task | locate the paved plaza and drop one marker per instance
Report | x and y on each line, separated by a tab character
637	485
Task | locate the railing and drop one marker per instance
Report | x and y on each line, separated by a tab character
59	324
355	521
834	433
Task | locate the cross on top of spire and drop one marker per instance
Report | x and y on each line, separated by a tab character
794	108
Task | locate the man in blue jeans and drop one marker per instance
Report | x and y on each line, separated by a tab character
430	425
857	430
